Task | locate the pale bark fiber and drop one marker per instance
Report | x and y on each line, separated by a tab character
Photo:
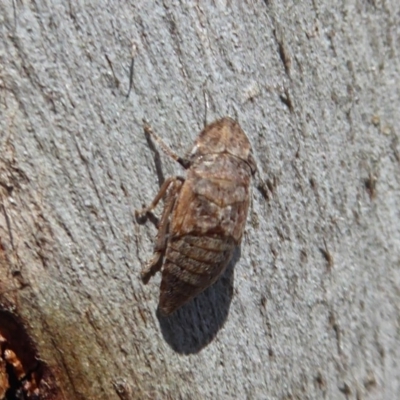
311	307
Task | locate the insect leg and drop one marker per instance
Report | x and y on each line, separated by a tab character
160	194
154	265
184	162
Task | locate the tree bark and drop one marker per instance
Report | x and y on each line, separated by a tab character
309	308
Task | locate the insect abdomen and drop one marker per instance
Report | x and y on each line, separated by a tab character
192	263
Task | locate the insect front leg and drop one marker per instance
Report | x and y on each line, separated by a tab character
183	161
154	265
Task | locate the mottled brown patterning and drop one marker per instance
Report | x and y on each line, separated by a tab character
204	215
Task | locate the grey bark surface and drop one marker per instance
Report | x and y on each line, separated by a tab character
310	307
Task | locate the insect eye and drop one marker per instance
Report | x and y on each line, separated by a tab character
184	162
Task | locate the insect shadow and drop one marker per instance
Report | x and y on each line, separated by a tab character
195	324
157	159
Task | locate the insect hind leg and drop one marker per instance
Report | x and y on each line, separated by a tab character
155	263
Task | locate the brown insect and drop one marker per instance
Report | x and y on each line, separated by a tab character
204	215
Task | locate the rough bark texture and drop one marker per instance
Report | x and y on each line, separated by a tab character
310	309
